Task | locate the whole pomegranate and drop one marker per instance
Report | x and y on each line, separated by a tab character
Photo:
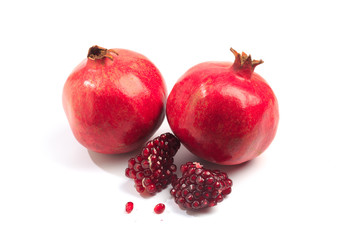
114	100
224	112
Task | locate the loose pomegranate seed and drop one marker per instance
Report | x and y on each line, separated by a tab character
129	207
159	208
154	169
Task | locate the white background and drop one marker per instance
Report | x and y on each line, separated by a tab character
305	186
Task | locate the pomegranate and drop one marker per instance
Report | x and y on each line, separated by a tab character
224	112
114	100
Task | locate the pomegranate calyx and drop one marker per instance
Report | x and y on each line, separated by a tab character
96	52
243	63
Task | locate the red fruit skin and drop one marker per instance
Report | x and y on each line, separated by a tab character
221	115
115	105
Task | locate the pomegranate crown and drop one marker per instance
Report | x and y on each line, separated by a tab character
96	52
243	63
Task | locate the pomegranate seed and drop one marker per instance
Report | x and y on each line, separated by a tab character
159	208
129	207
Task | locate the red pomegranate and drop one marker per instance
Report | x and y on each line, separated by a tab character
114	100
224	112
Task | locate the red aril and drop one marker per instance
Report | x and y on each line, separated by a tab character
159	208
114	100
224	112
129	206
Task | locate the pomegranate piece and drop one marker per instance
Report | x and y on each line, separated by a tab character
114	100
200	187
159	208
224	112
129	206
154	169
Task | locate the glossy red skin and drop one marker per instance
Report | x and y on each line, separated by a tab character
114	106
221	116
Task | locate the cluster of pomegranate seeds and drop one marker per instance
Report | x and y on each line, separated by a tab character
154	169
199	187
159	208
129	206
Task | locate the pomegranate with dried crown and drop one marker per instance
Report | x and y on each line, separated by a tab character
114	100
224	112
